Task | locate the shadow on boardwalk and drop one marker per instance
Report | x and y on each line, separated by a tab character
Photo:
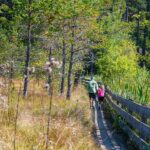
107	138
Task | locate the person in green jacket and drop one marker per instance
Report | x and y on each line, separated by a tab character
92	90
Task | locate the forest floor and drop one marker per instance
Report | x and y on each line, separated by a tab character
70	128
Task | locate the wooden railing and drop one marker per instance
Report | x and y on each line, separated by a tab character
134	118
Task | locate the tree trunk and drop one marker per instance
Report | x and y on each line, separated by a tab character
11	72
63	67
127	12
70	72
144	46
26	75
70	66
92	64
50	57
138	32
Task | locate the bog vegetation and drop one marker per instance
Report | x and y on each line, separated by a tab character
24	122
46	45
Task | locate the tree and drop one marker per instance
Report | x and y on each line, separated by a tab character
26	21
63	66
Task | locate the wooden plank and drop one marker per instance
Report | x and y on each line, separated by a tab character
143	111
142	127
133	137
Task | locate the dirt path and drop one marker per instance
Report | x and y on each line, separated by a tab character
107	138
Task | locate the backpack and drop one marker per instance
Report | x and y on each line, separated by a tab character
92	87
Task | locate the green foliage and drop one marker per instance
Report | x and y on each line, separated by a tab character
116	51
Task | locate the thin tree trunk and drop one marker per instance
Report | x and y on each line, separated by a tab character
70	72
11	69
70	66
127	12
26	75
92	64
63	67
49	113
138	32
138	39
50	57
144	47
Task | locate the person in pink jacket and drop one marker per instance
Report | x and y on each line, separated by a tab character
101	93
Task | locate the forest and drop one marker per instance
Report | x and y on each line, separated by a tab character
47	46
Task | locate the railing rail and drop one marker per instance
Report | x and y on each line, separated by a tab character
139	109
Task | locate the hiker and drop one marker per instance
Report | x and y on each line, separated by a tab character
92	90
101	93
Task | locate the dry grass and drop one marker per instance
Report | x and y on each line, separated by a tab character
70	125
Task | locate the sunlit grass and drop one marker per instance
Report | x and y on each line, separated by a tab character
70	124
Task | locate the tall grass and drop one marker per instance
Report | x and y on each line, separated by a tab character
70	126
137	88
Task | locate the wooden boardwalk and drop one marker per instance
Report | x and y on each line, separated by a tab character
107	138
